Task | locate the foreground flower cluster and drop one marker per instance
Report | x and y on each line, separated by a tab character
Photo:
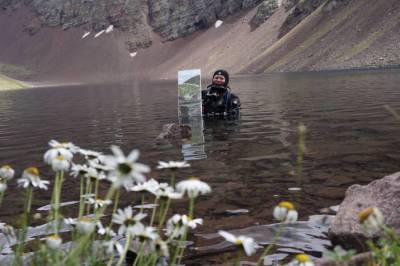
102	232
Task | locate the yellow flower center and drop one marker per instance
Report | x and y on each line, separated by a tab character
193	178
33	171
86	219
238	242
303	258
7	167
286	204
60	158
54	237
364	214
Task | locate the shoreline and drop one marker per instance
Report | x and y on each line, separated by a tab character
22	85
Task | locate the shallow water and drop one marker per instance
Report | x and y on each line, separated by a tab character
351	138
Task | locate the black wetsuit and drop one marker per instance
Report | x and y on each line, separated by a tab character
219	100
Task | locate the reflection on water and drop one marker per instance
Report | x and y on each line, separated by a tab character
306	236
351	139
190	113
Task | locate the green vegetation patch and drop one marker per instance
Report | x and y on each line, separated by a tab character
18	72
7	83
188	91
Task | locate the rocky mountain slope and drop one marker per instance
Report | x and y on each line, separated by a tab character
155	38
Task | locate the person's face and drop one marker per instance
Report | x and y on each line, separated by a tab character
219	80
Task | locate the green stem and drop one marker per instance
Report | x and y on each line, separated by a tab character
96	188
173	175
153	215
191	207
23	233
238	257
116	200
142	202
1	197
84	240
87	192
270	246
164	215
81	200
127	243
59	181
138	255
179	251
111	260
300	149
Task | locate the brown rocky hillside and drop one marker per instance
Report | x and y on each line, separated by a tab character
255	37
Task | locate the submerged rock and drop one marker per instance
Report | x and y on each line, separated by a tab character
382	193
175	132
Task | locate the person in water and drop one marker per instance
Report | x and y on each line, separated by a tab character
218	98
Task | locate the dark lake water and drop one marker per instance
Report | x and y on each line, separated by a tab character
351	138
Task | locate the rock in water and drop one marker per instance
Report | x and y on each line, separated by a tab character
382	193
175	132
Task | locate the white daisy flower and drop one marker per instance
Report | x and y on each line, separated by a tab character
301	260
53	242
65	145
65	149
30	177
148	233
98	169
85	225
145	240
177	224
9	233
161	247
125	169
98	203
193	187
149	186
192	223
128	222
95	174
372	220
113	245
6	172
105	231
70	221
173	165
53	153
285	212
164	191
247	243
59	163
83	170
89	154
